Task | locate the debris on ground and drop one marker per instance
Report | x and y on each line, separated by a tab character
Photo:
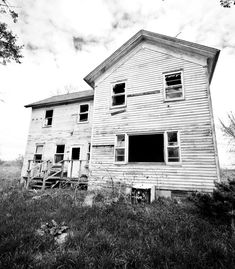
59	231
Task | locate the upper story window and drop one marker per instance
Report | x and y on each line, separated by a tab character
38	153
118	94
173	86
83	113
48	118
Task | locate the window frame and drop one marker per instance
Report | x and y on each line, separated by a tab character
125	149
165	87
165	145
35	153
88	114
177	146
56	154
112	94
45	125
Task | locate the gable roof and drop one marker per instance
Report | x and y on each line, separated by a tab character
64	99
210	53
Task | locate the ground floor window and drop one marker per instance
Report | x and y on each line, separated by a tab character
120	148
59	155
146	148
173	148
160	147
38	153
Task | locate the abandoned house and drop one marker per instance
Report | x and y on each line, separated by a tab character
147	122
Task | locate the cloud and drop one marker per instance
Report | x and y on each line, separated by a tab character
65	40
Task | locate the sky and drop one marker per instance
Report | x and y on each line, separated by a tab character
65	40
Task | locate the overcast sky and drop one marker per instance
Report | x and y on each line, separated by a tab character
64	40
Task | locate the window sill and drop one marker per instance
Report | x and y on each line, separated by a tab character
117	107
82	122
173	100
149	163
47	126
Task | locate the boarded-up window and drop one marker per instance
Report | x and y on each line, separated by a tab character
59	155
120	148
48	118
173	148
83	113
38	153
118	94
173	86
146	148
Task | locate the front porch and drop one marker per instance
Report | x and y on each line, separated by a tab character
44	174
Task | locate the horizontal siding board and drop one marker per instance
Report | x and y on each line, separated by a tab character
150	114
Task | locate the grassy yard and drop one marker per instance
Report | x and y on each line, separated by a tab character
164	234
10	172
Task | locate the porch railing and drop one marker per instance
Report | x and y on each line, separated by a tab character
63	169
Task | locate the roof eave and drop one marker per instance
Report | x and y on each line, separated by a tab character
205	51
61	102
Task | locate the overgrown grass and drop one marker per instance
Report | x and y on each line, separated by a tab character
161	235
9	173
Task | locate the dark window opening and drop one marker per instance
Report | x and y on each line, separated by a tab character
59	156
119	88
118	95
118	100
37	157
83	115
146	148
75	153
89	152
140	196
48	117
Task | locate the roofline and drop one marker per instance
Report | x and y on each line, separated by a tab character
61	102
208	52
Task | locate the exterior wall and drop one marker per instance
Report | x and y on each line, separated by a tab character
142	69
65	129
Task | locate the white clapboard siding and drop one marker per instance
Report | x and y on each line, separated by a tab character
65	129
150	114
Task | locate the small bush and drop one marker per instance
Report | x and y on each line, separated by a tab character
219	205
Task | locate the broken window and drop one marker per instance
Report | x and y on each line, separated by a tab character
140	196
38	153
48	118
59	156
173	86
83	113
118	94
120	148
146	148
173	149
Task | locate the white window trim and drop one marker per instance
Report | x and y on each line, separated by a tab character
111	99
166	147
35	151
44	120
88	112
164	86
125	149
59	153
